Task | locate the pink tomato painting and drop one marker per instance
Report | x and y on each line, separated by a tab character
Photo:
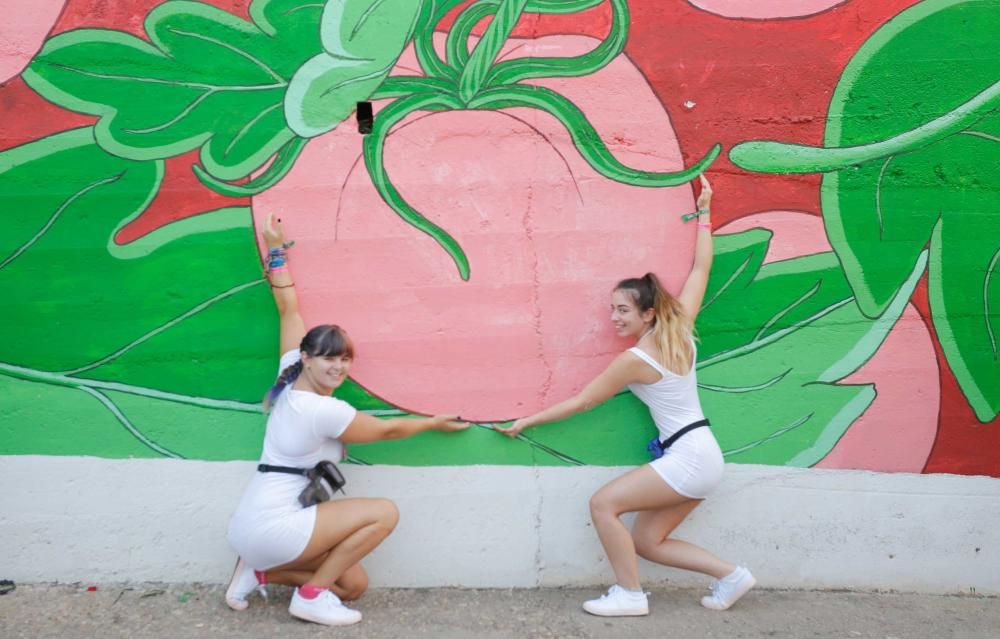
24	27
539	227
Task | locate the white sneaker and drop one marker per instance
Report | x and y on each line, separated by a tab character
618	603
729	589
241	584
325	609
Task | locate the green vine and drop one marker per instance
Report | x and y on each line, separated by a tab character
475	80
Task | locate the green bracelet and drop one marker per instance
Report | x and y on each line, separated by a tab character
690	216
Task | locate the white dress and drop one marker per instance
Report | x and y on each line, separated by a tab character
693	465
270	527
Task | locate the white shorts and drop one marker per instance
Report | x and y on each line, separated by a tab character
693	465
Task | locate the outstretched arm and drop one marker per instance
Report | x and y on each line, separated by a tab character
283	288
622	371
365	428
694	288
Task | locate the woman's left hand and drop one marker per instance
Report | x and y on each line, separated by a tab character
514	429
705	197
272	232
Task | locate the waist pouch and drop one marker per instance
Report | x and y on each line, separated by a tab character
657	448
325	479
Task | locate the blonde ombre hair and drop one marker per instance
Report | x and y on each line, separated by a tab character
672	330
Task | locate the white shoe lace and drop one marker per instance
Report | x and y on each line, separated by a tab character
715	587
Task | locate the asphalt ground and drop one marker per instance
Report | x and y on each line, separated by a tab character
196	611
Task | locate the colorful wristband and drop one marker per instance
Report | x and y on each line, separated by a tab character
689	216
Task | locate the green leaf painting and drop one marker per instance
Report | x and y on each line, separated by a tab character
361	42
205	79
917	164
139	333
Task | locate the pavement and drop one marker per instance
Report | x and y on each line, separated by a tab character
197	611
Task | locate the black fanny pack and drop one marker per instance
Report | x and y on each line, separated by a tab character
324	478
656	448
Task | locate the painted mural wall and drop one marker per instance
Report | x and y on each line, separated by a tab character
524	155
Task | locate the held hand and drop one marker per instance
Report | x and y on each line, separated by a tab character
514	429
705	198
448	423
272	232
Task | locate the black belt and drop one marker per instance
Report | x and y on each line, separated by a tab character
667	443
267	468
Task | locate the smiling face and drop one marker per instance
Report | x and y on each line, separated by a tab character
326	372
626	317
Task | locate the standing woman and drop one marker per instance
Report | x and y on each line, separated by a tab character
660	370
316	548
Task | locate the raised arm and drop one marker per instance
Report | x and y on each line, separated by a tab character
694	288
622	371
282	287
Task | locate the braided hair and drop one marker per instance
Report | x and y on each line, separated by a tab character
325	340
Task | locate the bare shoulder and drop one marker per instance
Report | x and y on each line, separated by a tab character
640	369
628	359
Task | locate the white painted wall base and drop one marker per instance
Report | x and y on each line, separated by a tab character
69	519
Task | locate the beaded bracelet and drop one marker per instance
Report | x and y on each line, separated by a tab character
277	258
704	225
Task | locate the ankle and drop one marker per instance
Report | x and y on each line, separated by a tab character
261	577
310	591
635	592
735	575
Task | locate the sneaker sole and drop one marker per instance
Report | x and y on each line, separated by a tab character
617	613
238	605
745	590
306	616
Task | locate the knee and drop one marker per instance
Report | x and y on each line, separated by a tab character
601	506
387	514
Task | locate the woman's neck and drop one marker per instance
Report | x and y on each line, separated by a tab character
303	383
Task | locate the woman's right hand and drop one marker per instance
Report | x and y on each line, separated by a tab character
272	232
448	423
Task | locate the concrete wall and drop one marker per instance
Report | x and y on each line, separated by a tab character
98	521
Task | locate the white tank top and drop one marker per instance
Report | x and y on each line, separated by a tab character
673	400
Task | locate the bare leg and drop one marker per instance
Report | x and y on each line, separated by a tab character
346	530
651	534
351	585
640	489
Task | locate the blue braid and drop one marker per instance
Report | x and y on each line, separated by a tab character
286	378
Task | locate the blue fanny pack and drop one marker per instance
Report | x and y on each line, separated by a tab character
657	448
